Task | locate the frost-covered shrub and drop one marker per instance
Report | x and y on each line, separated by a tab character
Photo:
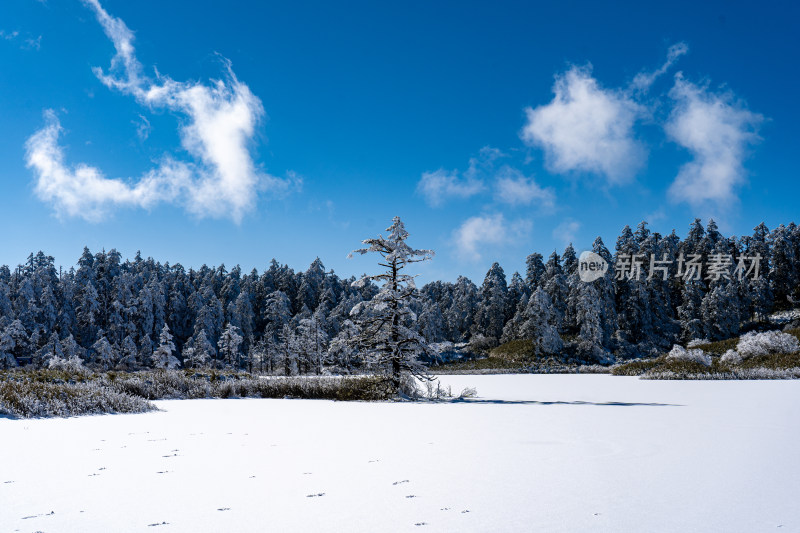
679	353
769	342
28	399
697	342
731	356
468	392
73	365
480	344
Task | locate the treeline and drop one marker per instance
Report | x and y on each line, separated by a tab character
140	313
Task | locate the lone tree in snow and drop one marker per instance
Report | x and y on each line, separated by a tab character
386	332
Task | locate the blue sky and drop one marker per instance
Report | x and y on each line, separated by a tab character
208	132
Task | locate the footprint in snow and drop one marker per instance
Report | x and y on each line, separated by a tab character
38	515
315	495
399	482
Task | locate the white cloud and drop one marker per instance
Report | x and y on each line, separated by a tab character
717	130
514	188
27	43
441	185
142	127
479	232
220	181
438	186
83	191
587	128
644	80
566	232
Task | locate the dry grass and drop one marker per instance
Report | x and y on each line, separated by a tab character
35	393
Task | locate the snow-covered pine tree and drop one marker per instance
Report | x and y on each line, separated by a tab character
759	290
128	353
198	353
228	344
7	345
783	276
689	312
492	309
311	338
554	283
50	350
162	356
460	315
589	316
431	321
540	326
103	352
343	352
534	270
288	350
387	331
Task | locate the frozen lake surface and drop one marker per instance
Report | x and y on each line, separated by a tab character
531	453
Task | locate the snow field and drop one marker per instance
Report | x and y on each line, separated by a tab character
531	453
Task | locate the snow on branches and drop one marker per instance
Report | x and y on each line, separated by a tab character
386	333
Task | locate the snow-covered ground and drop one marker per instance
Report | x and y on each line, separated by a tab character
531	453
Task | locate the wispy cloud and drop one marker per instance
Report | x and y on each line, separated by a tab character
509	185
717	129
587	128
512	187
221	180
644	80
27	42
566	232
480	232
440	185
142	127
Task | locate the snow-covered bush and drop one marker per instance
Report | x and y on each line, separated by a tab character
697	342
769	342
27	399
73	365
468	392
731	356
679	353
